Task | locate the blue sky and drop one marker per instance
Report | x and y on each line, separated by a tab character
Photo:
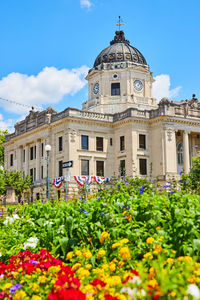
47	46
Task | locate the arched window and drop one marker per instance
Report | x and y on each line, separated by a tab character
180	154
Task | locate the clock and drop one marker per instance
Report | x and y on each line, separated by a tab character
138	85
96	88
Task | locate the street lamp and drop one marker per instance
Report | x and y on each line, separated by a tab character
47	149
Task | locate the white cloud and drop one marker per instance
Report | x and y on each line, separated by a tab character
47	87
86	3
6	124
161	88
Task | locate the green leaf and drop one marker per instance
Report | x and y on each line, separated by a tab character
64	244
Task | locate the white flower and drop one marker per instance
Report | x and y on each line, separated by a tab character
133	293
194	291
60	230
31	243
15	217
48	223
135	279
0	254
10	220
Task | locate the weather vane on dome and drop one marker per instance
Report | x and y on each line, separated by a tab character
120	23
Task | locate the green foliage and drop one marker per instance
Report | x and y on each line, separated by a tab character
194	175
3	133
14	178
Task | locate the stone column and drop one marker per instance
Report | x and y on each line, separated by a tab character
38	153
19	158
186	155
27	156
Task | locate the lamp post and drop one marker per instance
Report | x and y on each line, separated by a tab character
47	149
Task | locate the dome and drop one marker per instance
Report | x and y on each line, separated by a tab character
120	50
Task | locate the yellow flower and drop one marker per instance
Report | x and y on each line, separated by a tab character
88	266
121	263
148	255
112	267
157	249
87	254
152	272
20	295
158	228
161	238
7	286
101	253
83	272
69	255
153	283
149	240
124	251
36	297
124	241
76	266
188	259
172	294
115	245
170	260
78	253
20	270
42	279
104	235
35	287
113	280
192	279
105	266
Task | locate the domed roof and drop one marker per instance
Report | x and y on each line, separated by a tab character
120	50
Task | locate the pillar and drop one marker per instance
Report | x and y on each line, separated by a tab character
38	153
186	155
27	155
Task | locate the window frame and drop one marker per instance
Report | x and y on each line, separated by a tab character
11	160
140	166
142	144
60	143
99	148
122	167
60	168
87	167
122	143
102	169
83	145
115	89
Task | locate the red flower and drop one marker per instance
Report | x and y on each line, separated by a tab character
97	281
109	297
156	297
135	272
69	294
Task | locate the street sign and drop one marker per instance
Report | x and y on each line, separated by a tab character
67	164
67	175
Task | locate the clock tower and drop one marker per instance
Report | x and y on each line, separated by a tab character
119	79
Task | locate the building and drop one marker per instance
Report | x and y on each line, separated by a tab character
120	130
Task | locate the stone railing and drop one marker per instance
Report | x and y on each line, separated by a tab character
9	136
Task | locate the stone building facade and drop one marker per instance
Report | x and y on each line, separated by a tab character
120	130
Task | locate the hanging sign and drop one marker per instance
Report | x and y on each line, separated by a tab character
67	164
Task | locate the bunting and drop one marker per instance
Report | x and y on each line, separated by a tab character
58	181
100	179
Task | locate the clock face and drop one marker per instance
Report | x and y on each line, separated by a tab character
138	85
96	88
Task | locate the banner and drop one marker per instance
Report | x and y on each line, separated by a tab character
100	179
58	181
82	179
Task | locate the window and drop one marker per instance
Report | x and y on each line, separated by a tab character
142	141
143	166
37	196
60	143
11	160
99	143
100	168
111	142
84	167
60	169
122	169
122	143
42	149
180	154
84	142
35	152
24	155
58	194
31	175
31	153
115	89
34	174
42	172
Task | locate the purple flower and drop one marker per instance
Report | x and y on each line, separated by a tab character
34	262
79	198
83	201
141	188
171	193
167	185
118	186
123	206
85	212
102	213
81	209
181	173
15	287
126	182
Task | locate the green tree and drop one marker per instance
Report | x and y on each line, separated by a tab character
194	175
14	178
3	134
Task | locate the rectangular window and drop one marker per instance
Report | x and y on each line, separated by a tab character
31	174
111	142
24	155
142	141
115	89
99	143
42	149
11	160
84	142
100	168
35	152
84	167
31	153
34	174
122	168
143	166
42	172
60	169
60	143
122	143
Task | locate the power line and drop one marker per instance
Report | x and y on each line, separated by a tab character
24	105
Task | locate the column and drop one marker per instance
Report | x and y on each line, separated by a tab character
27	155
38	153
186	155
19	158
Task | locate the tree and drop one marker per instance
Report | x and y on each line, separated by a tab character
3	134
194	175
14	178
